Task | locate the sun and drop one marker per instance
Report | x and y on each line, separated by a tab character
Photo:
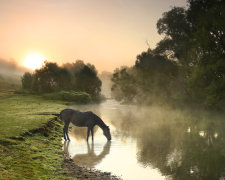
34	61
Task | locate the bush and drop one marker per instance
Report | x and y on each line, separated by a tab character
71	96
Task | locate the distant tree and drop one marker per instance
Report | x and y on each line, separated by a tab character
50	78
27	80
123	87
86	80
84	77
71	76
74	67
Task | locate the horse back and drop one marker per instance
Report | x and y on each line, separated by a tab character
81	119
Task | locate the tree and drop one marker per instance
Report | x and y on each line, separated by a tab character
150	80
124	88
195	39
207	82
49	78
27	80
71	76
86	80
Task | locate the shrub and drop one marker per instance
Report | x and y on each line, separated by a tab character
71	96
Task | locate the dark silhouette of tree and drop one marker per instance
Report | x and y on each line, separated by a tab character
193	48
207	85
71	76
51	78
152	76
86	80
27	81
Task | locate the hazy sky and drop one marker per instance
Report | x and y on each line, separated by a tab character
106	33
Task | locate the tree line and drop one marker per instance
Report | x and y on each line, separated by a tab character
51	77
187	65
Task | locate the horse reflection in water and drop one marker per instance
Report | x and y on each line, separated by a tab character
89	159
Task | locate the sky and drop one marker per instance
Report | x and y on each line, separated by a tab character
106	33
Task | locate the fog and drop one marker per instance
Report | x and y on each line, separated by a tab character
10	74
153	142
106	84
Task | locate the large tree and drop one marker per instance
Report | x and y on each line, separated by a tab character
150	80
193	48
207	82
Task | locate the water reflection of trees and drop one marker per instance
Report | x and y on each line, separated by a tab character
180	145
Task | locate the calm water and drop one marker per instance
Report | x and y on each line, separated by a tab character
152	143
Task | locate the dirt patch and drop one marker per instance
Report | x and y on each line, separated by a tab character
84	173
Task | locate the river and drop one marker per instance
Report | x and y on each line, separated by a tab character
152	143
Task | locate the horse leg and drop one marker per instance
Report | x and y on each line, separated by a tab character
92	135
67	134
88	132
64	132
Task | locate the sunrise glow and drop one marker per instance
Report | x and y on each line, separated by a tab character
34	61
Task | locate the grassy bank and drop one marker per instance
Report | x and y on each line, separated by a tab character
26	154
36	154
18	112
30	144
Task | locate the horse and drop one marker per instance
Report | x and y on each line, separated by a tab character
83	119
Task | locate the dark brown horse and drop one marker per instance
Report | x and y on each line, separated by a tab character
83	119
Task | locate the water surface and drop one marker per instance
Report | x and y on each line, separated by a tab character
152	143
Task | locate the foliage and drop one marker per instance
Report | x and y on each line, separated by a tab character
69	77
152	74
187	65
50	78
27	80
123	87
84	78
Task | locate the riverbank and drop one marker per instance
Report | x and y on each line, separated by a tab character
31	144
84	173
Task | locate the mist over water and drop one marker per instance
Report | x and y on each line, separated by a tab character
152	143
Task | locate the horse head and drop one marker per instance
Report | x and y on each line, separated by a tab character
106	132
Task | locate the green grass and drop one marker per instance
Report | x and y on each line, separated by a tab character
17	112
34	156
25	154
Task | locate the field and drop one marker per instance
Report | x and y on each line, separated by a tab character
30	144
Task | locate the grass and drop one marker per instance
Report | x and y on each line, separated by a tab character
33	156
18	113
27	153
